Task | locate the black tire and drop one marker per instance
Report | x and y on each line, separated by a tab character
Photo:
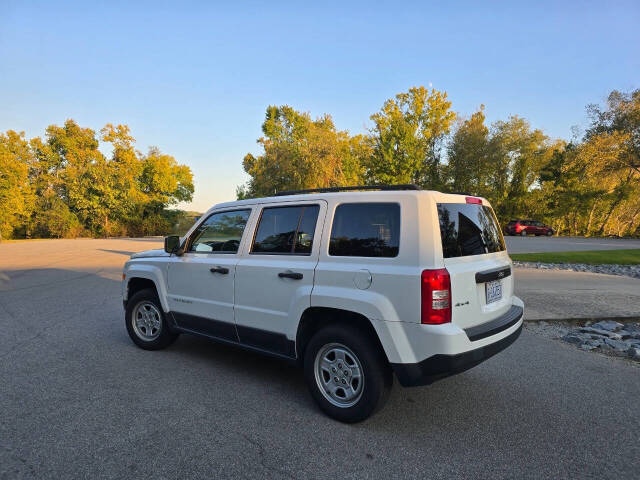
162	339
523	233
549	233
377	374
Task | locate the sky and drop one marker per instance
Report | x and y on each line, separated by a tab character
195	78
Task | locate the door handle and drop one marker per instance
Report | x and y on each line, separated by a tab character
290	274
222	270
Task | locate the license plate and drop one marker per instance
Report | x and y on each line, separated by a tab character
494	291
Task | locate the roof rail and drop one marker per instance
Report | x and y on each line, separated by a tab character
348	189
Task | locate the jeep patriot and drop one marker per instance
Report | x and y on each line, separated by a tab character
356	285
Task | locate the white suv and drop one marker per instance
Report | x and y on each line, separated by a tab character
354	285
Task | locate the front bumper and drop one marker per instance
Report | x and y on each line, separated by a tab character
440	366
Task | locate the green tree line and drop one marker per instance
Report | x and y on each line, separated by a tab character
64	186
584	186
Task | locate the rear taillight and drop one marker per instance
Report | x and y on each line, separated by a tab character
474	200
436	296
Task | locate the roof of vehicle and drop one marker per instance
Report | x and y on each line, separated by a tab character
348	192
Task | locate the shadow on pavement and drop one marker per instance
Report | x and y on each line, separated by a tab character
119	252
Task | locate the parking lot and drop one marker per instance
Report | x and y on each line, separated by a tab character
79	400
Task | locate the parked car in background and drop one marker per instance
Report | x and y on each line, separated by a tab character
528	227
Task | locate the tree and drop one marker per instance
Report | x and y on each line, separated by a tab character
621	115
611	153
407	137
81	175
301	153
64	186
53	218
604	159
163	181
467	155
516	155
16	194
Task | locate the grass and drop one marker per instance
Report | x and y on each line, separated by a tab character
590	257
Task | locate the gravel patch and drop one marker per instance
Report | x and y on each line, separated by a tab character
623	270
606	336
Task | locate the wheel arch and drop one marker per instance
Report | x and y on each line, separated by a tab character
145	276
315	318
136	284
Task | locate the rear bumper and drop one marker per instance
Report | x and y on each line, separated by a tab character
440	366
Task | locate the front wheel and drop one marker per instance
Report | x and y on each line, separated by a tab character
523	233
549	233
146	323
347	374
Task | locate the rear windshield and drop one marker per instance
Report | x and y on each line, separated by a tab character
468	229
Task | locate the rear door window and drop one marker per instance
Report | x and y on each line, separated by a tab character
365	230
286	230
468	229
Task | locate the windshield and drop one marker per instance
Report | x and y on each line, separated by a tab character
468	229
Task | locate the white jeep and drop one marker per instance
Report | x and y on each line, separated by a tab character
353	284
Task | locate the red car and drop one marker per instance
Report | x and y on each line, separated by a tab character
528	227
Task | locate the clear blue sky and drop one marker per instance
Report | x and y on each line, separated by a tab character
195	78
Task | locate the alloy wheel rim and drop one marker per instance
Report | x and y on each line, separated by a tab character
339	375
146	321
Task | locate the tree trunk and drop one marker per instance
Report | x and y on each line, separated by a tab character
593	208
615	203
630	223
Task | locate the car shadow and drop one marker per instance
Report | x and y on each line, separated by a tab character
118	252
409	411
245	365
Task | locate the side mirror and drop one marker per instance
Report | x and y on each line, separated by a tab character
172	244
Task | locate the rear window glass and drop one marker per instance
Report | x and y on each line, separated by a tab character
365	230
468	229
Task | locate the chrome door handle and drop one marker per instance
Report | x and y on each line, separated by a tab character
221	270
290	274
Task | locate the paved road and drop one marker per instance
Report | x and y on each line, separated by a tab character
561	294
78	400
534	244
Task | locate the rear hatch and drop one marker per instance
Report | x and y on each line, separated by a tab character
476	258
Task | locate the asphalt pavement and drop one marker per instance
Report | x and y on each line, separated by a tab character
563	294
533	244
79	400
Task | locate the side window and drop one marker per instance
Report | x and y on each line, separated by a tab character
220	233
286	230
365	230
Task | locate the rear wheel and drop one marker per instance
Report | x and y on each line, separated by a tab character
523	233
146	323
549	233
347	374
